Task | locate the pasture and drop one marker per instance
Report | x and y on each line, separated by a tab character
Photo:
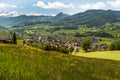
112	55
29	63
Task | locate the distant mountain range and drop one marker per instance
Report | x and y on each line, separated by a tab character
9	21
89	18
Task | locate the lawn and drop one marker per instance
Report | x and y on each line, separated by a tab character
112	55
29	63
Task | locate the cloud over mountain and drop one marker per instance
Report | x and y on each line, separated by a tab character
54	5
9	14
114	3
98	5
38	14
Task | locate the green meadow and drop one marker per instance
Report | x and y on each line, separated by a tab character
29	63
112	55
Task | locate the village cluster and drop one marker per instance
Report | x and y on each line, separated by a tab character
75	43
57	41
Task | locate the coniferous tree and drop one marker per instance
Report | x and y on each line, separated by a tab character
14	38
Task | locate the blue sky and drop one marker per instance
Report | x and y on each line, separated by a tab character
56	6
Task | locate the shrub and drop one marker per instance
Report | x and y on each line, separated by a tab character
53	47
63	49
47	47
37	45
71	49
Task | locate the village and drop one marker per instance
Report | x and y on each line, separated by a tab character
76	43
56	41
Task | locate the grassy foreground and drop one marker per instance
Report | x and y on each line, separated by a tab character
28	63
112	55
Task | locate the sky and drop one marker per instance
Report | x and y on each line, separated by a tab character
52	7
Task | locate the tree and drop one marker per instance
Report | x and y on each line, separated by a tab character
86	44
14	39
115	45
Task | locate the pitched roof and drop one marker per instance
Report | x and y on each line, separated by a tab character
4	37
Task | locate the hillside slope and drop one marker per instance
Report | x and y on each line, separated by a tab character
91	18
28	63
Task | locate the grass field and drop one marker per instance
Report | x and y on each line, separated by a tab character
113	55
28	63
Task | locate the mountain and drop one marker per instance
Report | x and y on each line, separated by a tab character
21	19
60	16
91	18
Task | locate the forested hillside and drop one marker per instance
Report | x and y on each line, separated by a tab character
91	18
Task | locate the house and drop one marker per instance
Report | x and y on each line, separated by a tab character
78	41
4	38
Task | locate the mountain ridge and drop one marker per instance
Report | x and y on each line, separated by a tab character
91	18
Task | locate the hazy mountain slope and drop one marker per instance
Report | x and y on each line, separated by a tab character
12	21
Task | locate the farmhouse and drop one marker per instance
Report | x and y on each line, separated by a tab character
4	38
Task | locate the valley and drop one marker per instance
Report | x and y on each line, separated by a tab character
82	46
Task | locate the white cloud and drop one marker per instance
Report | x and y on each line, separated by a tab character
9	14
54	5
37	14
98	5
114	3
15	14
3	5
